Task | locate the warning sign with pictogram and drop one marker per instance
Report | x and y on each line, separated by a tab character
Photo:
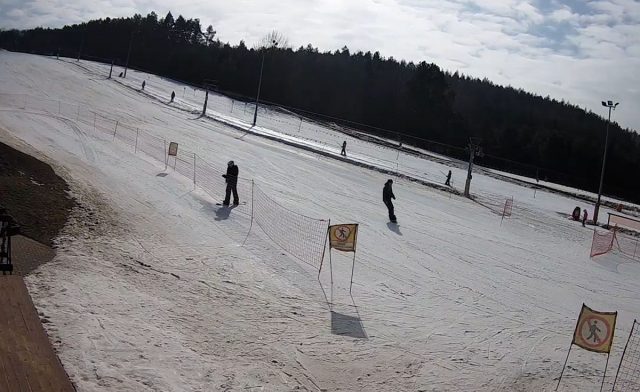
173	149
343	237
594	330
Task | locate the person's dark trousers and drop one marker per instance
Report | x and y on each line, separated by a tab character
231	188
389	205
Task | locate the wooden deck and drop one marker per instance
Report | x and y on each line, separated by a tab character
27	360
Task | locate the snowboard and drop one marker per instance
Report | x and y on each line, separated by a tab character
232	205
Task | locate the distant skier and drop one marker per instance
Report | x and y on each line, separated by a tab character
344	149
232	182
173	95
448	182
387	195
584	217
144	83
120	74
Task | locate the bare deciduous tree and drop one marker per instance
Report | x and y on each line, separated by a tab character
273	39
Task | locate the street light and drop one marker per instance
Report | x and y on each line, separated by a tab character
610	105
255	114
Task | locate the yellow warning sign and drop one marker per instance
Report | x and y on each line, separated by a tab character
343	237
594	330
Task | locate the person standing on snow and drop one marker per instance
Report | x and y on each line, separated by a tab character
448	182
232	182
144	83
344	149
584	217
387	195
173	95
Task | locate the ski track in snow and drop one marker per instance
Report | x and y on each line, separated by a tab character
148	291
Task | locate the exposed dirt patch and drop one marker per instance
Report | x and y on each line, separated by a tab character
37	199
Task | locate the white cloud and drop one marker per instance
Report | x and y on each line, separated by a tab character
579	52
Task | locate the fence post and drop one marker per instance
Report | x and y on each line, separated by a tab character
136	148
250	224
115	130
166	157
194	169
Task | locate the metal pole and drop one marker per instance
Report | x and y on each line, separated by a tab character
353	267
604	161
563	366
255	113
472	153
605	372
250	224
126	65
136	148
324	248
110	70
194	169
166	156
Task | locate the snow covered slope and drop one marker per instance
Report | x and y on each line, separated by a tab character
152	289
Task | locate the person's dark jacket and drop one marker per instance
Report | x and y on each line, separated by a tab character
387	193
232	175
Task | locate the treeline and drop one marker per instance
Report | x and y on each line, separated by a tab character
520	132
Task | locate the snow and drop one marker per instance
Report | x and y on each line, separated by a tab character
153	289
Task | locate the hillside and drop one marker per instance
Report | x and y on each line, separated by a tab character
415	103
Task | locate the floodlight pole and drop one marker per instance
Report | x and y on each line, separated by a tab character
473	150
126	65
255	113
596	210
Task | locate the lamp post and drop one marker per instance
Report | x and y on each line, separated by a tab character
255	113
126	65
610	105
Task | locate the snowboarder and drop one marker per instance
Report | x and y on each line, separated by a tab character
584	217
232	181
173	95
448	182
143	84
387	195
344	149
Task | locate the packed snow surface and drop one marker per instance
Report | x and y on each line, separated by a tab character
157	288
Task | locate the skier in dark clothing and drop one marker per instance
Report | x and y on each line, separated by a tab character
173	95
387	195
448	182
144	83
584	217
344	149
232	181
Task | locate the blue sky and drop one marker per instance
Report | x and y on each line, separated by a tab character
579	51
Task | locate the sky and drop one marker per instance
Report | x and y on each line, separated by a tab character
580	51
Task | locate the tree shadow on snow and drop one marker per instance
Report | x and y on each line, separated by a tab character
394	227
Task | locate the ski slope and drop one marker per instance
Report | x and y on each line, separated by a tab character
152	288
